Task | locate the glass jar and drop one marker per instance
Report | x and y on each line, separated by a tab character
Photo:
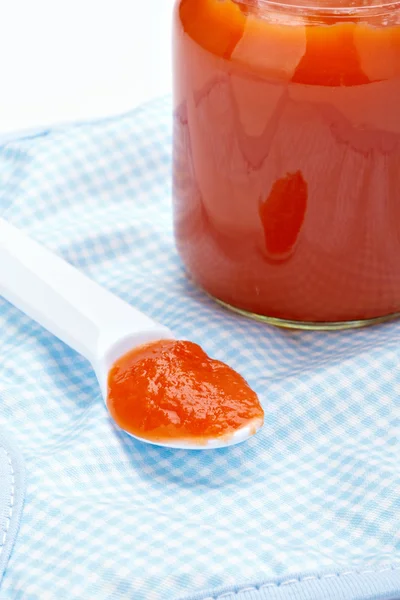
287	157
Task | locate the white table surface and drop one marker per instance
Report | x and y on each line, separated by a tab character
71	60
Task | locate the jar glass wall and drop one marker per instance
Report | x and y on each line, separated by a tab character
287	157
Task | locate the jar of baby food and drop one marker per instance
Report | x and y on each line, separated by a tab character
287	157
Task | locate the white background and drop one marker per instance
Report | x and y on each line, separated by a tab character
67	60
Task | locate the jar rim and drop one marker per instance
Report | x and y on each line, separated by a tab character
331	7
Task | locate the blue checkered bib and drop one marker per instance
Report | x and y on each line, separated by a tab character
309	509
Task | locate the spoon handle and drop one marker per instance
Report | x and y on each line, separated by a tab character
81	313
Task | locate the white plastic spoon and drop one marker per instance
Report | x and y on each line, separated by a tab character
81	313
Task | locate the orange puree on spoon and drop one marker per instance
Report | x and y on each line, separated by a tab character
172	389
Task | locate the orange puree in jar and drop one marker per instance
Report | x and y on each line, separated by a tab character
172	390
287	156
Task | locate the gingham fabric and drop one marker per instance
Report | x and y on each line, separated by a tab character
308	508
